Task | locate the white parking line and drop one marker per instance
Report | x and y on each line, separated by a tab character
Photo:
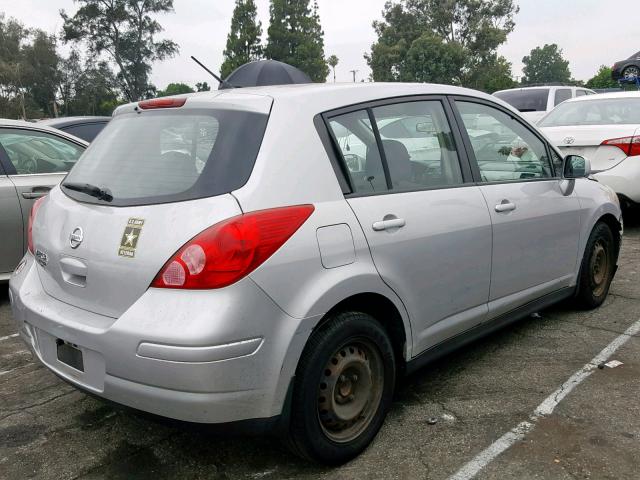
484	458
13	335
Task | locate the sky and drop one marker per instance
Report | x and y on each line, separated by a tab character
590	32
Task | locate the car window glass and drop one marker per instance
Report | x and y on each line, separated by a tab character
595	111
504	148
85	131
581	93
562	94
526	100
37	152
558	162
357	144
418	145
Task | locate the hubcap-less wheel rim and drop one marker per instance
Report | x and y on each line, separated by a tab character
599	269
350	390
631	73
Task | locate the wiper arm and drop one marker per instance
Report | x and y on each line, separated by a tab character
92	190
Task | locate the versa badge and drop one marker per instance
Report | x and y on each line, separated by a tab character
129	240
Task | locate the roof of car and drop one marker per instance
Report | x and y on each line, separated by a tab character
6	122
320	97
65	121
604	96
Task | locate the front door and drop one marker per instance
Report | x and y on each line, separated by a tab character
428	229
535	225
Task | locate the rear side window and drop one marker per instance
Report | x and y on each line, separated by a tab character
168	156
418	145
562	94
529	100
32	152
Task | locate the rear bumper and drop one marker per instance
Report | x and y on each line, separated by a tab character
624	178
209	357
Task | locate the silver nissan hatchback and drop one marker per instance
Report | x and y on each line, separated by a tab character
278	256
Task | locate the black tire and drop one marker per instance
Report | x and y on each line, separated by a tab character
349	343
597	268
631	72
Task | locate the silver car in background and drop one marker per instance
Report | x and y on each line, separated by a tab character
278	256
33	158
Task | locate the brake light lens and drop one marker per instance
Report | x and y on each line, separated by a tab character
161	103
32	217
230	250
629	145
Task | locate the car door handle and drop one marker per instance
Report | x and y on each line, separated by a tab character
505	206
37	192
388	224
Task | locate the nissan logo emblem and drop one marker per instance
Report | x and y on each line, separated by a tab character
569	140
75	239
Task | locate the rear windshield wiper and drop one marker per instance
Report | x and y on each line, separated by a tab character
92	190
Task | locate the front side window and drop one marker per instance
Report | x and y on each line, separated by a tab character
31	152
562	94
581	93
505	150
418	145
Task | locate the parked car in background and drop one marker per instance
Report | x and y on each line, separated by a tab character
294	249
535	102
606	130
33	158
85	128
628	69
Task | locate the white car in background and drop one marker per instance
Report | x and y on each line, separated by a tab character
534	102
606	130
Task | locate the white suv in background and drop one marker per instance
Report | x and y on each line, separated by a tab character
535	102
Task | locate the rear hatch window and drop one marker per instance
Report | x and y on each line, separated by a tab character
168	156
530	100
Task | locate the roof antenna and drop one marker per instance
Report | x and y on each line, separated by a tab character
224	83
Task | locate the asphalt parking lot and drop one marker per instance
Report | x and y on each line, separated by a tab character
476	395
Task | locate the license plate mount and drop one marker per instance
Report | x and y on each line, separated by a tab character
69	354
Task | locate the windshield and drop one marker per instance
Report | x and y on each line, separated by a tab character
530	100
611	111
167	156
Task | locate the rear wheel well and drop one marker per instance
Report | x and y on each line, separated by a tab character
383	310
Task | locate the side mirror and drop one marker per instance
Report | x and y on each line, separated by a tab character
576	166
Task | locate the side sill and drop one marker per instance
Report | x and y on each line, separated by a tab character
486	328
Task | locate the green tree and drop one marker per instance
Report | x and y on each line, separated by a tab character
602	79
243	41
125	30
446	27
333	61
544	65
296	37
40	74
175	89
202	87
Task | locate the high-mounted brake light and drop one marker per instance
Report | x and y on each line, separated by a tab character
32	217
629	145
161	103
230	250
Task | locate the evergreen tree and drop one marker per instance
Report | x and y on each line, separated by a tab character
545	64
243	41
296	37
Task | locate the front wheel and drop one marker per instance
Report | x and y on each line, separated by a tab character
631	73
598	267
342	390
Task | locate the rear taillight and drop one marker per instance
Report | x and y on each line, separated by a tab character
161	103
228	251
629	145
32	217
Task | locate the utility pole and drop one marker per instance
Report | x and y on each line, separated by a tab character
354	74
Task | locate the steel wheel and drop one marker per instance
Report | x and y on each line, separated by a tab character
600	267
631	73
350	390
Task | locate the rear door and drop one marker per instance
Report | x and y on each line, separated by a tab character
10	225
428	228
535	226
36	162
